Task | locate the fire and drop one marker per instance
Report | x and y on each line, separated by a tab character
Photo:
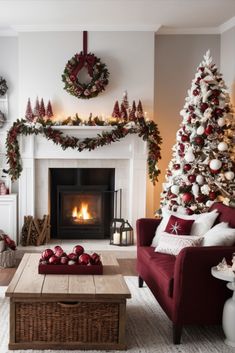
81	214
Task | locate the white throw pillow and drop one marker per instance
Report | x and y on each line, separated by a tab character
219	235
198	228
173	244
203	223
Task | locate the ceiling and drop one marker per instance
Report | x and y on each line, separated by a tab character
163	16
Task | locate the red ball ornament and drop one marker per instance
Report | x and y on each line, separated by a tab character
199	140
204	106
187	167
192	178
187	197
181	146
184	138
212	195
195	92
176	166
219	112
208	130
190	108
215	101
216	92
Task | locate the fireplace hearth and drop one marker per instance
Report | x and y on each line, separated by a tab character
81	202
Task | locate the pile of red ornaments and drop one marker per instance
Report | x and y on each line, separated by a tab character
77	257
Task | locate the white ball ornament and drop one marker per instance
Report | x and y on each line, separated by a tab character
229	175
175	189
222	146
221	122
215	164
200	179
189	157
195	190
200	130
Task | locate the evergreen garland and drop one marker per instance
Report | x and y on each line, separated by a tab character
147	130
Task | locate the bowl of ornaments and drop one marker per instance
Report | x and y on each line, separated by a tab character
57	261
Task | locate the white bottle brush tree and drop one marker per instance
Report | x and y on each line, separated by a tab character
203	164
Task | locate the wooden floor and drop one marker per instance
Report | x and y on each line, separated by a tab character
127	267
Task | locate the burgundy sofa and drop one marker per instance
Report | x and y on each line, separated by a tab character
183	284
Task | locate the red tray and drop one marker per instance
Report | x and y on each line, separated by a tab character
70	269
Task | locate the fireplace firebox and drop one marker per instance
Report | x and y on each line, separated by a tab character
82	202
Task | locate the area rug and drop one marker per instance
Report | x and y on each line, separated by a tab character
148	329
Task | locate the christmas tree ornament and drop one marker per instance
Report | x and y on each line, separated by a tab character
189	156
140	112
199	140
209	130
123	112
229	175
175	189
195	190
200	130
215	165
206	158
222	146
29	113
187	197
221	122
200	179
192	178
176	166
187	167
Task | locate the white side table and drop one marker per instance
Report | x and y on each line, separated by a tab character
228	320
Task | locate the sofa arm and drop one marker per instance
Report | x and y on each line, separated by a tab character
145	228
198	296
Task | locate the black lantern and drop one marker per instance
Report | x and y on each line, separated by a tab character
121	232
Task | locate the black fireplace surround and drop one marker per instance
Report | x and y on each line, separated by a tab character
81	202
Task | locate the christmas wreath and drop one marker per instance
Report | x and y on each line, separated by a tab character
147	130
3	86
96	69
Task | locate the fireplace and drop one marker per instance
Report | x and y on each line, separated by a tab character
81	202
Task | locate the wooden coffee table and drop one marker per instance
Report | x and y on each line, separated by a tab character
67	311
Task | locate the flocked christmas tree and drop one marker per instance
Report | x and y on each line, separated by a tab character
203	164
36	111
49	112
29	113
116	110
42	111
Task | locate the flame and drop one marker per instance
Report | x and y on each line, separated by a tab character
82	213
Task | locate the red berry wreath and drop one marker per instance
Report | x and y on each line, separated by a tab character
96	69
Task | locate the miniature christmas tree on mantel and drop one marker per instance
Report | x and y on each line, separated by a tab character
203	164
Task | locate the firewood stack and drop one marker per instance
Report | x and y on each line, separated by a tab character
35	231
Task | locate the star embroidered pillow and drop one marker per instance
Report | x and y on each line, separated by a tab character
179	226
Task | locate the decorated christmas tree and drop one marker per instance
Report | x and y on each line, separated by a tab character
202	167
123	112
116	110
29	113
132	114
36	111
42	111
49	112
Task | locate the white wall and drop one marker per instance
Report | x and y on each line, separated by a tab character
176	60
227	57
129	57
9	70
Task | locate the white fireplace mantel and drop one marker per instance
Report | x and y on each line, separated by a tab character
131	148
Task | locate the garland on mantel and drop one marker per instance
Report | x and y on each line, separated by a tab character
147	130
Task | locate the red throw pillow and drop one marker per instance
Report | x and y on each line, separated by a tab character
179	226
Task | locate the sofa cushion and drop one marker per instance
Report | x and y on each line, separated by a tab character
172	244
220	235
161	267
178	225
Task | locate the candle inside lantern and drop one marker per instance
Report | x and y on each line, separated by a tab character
116	238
